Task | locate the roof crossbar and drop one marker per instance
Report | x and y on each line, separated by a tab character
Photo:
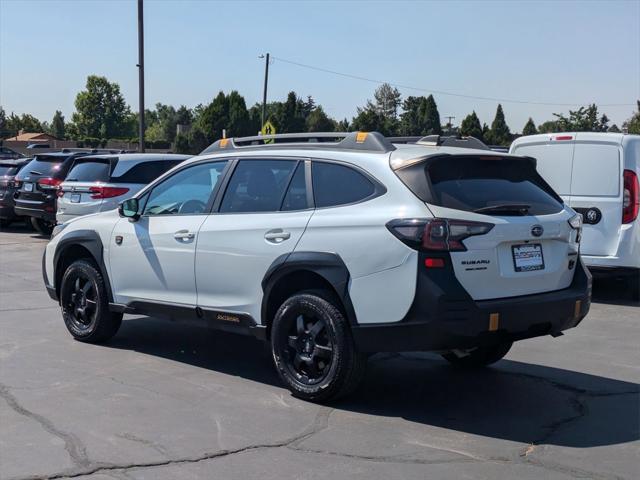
364	141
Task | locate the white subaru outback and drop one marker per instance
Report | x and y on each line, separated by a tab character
332	246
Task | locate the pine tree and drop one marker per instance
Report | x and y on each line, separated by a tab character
500	133
430	117
470	126
529	128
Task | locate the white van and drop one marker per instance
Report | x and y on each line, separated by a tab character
597	175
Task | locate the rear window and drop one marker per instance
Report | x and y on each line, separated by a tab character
90	171
144	172
473	183
8	170
596	170
44	165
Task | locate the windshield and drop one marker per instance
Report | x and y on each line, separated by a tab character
43	165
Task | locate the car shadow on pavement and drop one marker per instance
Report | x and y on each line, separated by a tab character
616	291
20	227
516	401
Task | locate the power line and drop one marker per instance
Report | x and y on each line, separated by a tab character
440	92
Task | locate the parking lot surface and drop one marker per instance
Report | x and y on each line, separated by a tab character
166	401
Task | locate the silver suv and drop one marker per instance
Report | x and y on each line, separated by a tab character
99	183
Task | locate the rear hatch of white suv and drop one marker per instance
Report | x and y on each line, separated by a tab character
507	232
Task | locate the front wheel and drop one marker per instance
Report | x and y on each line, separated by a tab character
85	305
41	226
479	356
313	349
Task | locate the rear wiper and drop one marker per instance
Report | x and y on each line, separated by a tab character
521	208
70	179
35	172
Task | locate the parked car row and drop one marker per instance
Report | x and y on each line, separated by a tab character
54	187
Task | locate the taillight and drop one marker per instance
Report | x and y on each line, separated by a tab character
436	234
107	192
49	183
630	200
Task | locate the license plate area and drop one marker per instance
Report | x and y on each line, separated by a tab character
28	187
75	198
527	257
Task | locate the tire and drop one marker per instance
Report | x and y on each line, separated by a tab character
41	226
313	350
479	356
85	304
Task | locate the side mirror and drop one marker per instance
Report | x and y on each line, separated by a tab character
129	209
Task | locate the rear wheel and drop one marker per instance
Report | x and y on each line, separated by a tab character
479	356
42	226
313	350
85	305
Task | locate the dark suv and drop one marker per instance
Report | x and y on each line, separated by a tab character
8	171
37	185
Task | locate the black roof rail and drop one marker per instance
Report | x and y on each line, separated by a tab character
442	141
366	141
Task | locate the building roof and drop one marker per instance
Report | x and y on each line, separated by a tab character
30	137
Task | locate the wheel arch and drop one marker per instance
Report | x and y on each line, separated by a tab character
299	271
74	246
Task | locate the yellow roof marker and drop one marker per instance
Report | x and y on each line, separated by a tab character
494	321
223	142
361	137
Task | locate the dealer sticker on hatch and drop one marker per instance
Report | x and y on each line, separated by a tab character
527	257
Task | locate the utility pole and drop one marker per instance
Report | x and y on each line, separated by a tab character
141	74
449	117
266	81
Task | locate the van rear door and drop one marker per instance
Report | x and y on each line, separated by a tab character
596	192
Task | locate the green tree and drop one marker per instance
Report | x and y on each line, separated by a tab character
343	126
387	100
101	110
57	125
318	121
4	127
288	117
548	127
213	118
499	133
182	144
410	120
633	124
585	119
529	128
368	120
430	117
614	129
184	116
470	126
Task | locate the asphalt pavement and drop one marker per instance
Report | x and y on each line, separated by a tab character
166	401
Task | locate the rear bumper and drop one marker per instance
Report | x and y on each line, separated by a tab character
443	317
25	211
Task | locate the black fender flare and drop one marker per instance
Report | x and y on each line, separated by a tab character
91	241
327	265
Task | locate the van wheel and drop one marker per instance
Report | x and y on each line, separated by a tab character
313	349
85	306
479	356
41	226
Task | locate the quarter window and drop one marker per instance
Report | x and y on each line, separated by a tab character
257	186
335	184
186	192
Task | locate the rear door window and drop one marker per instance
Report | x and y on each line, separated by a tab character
258	186
335	184
596	171
553	163
90	171
296	197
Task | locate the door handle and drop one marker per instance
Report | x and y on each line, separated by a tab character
184	235
277	236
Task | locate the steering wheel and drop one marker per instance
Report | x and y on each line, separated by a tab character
192	206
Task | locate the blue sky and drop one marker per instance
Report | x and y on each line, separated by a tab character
550	52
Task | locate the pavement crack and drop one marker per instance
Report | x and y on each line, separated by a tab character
320	422
72	444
